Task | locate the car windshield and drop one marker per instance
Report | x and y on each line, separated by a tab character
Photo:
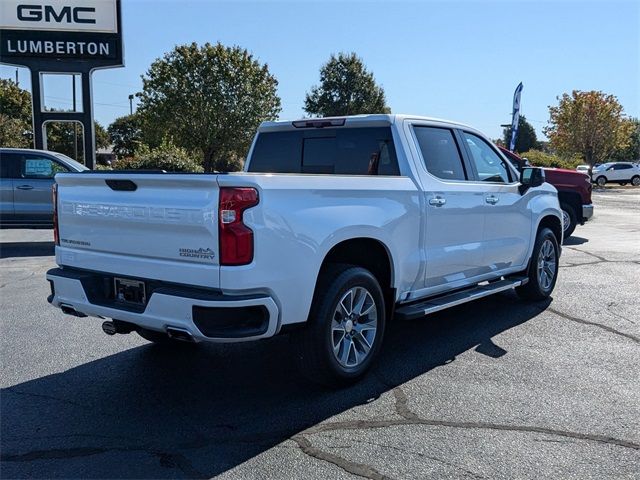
71	162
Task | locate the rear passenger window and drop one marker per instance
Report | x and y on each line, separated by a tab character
440	152
340	151
40	167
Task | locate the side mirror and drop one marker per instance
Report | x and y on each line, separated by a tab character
531	177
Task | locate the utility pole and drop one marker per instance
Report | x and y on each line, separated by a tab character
131	104
17	82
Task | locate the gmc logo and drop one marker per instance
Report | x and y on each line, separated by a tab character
48	13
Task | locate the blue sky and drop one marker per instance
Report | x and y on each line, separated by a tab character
456	60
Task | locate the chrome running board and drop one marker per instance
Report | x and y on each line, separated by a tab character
432	305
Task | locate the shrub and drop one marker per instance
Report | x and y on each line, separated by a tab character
165	157
542	159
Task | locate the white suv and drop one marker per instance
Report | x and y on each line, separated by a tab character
619	172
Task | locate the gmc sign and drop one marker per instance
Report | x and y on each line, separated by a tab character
65	15
48	13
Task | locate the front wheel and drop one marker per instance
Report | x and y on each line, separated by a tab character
543	267
601	181
345	326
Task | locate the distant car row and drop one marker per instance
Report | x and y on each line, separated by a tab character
26	177
613	172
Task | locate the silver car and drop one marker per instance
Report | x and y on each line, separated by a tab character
26	178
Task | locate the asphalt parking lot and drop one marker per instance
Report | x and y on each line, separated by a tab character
493	389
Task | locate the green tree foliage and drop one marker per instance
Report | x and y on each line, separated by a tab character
61	137
632	151
14	133
591	124
526	139
16	124
125	135
542	159
164	157
15	115
346	88
208	99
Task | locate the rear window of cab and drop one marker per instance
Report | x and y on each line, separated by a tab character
337	151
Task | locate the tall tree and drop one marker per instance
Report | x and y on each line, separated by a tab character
125	135
526	139
632	151
61	136
208	99
591	124
346	88
15	115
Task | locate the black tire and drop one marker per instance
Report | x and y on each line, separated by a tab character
601	181
569	214
533	289
314	344
635	180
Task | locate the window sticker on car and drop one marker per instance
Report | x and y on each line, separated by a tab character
37	167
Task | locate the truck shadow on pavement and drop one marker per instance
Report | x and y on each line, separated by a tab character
26	249
152	413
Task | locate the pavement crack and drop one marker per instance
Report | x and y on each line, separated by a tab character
348	466
601	258
374	424
593	324
420	454
597	262
166	459
42	396
402	404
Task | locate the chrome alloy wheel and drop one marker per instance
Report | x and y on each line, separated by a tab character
354	327
547	265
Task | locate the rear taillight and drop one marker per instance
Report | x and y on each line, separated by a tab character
56	233
236	239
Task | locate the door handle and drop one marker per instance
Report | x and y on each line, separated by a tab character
492	199
24	187
437	201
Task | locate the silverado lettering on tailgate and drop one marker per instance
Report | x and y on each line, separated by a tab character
138	213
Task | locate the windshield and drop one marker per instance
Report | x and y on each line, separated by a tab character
71	162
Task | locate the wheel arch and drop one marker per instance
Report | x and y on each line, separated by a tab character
371	254
573	199
554	223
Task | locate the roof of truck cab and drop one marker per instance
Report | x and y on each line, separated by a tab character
361	121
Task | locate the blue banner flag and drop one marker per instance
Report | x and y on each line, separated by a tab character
515	116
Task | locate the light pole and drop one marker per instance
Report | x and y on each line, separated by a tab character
131	104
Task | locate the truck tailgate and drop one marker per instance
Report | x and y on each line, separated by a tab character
161	226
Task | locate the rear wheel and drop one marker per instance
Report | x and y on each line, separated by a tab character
569	219
345	327
635	181
601	181
543	267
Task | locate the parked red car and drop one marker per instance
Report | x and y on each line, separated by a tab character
574	192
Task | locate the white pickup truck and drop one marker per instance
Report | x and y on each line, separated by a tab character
335	227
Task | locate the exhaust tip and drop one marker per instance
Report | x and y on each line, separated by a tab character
109	327
69	310
181	334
